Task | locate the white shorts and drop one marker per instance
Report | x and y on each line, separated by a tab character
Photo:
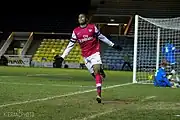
92	60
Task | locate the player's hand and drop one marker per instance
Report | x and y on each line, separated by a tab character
117	47
60	59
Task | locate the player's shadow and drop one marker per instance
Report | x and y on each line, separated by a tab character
120	101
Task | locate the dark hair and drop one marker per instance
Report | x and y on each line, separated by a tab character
87	17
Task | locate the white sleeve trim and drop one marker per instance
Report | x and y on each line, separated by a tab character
68	49
97	32
73	37
173	48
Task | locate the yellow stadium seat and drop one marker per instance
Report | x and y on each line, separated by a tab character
40	49
53	40
44	46
43	43
46	43
44	49
35	55
39	59
51	55
51	43
44	40
52	47
40	55
55	43
48	49
62	50
66	40
62	40
57	40
49	40
57	49
37	51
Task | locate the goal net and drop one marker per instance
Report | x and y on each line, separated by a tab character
151	38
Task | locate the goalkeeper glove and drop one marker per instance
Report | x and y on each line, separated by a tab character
117	47
59	59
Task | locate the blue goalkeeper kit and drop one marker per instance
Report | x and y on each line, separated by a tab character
169	53
161	79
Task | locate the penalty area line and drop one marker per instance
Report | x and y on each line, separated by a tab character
64	95
39	84
98	115
148	98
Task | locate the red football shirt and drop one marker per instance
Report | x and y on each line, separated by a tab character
87	39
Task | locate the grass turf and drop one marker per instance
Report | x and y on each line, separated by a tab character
48	95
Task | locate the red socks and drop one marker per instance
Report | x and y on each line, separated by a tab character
98	84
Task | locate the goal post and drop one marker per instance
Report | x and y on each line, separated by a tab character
151	36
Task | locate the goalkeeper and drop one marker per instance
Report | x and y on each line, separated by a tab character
161	79
169	53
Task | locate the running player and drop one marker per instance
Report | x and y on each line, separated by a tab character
86	35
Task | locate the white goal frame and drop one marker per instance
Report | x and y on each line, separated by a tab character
159	26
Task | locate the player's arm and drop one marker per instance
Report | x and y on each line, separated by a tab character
69	46
68	49
105	40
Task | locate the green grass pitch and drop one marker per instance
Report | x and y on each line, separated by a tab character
69	94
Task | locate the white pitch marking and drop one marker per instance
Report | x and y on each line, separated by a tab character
58	85
59	96
99	114
62	74
147	98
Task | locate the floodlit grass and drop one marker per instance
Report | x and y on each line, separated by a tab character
69	94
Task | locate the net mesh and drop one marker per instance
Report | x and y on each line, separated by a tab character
169	29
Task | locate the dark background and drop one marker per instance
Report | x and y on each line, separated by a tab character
41	16
61	16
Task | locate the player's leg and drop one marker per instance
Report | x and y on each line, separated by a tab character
129	65
96	64
124	64
163	84
98	78
102	72
174	72
91	70
175	82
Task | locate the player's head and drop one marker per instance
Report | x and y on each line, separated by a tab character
164	63
82	19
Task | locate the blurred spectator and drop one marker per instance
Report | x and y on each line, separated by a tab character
126	62
44	59
4	61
